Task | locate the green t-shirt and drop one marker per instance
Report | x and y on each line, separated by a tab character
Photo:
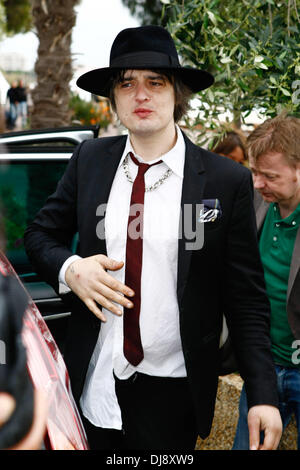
276	246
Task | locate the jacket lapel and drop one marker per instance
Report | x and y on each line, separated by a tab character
295	263
261	209
113	153
192	191
110	165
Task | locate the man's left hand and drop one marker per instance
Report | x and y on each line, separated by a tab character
264	418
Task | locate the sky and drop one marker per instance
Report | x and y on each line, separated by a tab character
98	22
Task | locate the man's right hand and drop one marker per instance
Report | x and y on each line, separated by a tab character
89	280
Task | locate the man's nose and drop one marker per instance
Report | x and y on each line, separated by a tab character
141	93
258	182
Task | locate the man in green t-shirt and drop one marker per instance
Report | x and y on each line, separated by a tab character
274	158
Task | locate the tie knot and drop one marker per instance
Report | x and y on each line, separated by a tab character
143	167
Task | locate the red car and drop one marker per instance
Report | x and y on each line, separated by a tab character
47	370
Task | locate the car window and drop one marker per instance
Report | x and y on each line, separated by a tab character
24	188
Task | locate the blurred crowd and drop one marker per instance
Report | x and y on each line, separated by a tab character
15	113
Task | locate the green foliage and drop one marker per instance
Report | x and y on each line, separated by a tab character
90	112
147	11
17	15
252	47
2	20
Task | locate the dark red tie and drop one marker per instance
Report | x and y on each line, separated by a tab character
133	349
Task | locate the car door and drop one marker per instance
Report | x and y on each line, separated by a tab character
31	164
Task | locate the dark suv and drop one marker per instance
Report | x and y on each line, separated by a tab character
31	163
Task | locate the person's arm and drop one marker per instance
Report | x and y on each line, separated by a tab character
63	286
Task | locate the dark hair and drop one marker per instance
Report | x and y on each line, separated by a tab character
182	92
228	144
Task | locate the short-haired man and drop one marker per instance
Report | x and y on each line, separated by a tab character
147	379
274	158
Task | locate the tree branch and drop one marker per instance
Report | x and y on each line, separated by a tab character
289	16
270	19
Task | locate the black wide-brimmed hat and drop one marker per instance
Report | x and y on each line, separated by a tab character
144	48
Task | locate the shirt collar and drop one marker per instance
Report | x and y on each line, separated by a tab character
174	159
293	219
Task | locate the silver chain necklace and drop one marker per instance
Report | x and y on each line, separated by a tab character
148	188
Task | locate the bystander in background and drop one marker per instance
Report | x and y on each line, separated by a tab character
231	146
22	103
274	159
12	106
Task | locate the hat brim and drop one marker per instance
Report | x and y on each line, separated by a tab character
98	81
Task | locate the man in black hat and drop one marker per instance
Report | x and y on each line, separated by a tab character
167	245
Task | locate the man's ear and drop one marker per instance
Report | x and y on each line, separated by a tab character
297	171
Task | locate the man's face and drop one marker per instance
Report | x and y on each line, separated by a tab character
236	154
145	102
275	179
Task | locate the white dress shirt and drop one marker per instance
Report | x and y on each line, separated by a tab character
159	315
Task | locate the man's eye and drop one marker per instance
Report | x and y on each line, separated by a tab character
156	84
125	84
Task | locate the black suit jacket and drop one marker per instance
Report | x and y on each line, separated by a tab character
224	276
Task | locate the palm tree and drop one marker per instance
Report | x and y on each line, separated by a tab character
53	21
